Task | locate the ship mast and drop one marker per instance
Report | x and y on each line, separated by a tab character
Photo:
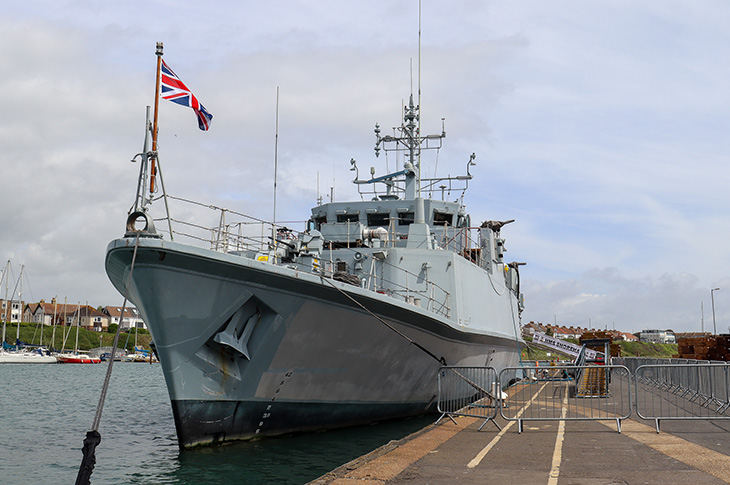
411	140
153	171
149	167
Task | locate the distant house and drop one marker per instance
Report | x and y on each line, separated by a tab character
130	319
628	337
89	318
620	336
570	332
679	335
45	313
11	310
562	333
529	329
657	336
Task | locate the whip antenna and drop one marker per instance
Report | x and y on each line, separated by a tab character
276	163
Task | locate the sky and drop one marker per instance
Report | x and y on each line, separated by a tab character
600	127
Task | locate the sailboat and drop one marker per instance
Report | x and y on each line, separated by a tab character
36	356
20	356
76	357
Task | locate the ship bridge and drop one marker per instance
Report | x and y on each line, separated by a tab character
351	223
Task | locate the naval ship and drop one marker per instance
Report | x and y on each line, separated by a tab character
346	321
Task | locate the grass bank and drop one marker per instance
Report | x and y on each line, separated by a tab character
628	349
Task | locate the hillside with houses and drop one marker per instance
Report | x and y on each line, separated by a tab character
562	332
66	314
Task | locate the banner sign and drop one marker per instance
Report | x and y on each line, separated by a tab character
562	345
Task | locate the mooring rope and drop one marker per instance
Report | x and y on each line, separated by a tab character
93	438
441	360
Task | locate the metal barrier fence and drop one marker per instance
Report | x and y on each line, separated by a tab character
468	391
683	391
568	393
657	389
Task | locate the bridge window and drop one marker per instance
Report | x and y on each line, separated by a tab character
443	219
379	219
318	221
405	218
348	217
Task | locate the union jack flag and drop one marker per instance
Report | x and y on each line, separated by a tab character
175	90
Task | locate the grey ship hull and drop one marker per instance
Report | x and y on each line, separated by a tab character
251	349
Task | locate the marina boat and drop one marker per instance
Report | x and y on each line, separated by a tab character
118	356
35	356
140	357
19	353
77	359
345	321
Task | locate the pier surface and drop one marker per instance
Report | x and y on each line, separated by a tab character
549	452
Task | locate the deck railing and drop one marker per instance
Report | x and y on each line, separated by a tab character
237	232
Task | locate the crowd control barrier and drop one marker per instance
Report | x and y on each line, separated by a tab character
683	392
656	389
468	391
586	392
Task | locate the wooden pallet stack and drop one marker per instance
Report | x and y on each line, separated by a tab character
715	347
615	349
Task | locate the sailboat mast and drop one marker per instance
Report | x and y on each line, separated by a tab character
20	300
5	313
53	333
153	169
65	315
78	315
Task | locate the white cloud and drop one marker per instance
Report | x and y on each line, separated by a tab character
601	127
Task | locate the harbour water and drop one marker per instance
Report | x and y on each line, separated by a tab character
47	409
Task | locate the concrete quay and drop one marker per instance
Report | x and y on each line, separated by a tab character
548	452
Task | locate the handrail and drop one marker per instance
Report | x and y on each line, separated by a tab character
243	235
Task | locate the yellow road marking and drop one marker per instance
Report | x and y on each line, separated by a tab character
386	467
558	451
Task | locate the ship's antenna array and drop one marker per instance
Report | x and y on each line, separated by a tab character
276	163
408	140
418	184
